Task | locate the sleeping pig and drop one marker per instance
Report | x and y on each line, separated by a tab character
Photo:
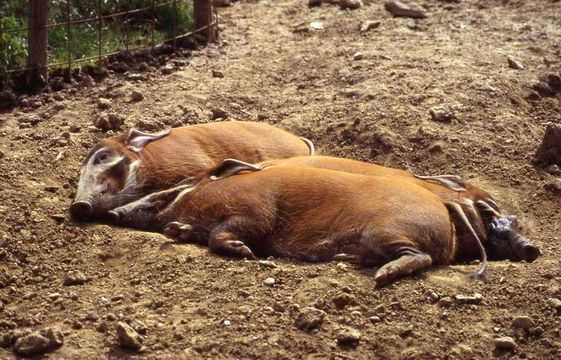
126	167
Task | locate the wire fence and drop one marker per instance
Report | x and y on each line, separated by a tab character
77	31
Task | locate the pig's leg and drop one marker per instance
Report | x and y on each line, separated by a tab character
408	260
226	238
178	231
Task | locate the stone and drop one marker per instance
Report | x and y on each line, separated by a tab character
549	151
219	113
75	278
316	25
217	74
445	302
168	69
554	82
367	25
515	64
350	4
348	337
476	298
343	300
127	337
523	322
401	9
310	319
552	169
375	319
441	114
39	342
555	303
269	281
103	103
543	89
7	99
505	343
553	187
358	56
267	264
136	96
107	122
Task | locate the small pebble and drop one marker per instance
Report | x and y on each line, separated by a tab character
515	64
348	337
127	337
523	322
505	343
269	281
137	96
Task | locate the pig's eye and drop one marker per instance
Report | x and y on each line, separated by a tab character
101	157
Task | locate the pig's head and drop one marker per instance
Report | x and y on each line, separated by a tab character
505	241
109	175
150	212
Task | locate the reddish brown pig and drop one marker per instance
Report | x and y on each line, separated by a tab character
481	227
124	168
308	214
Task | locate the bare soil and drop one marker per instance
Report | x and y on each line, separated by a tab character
373	106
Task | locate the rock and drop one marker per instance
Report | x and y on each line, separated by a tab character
7	99
515	64
505	343
374	319
358	56
301	28
316	25
445	301
267	264
217	74
401	9
554	82
343	300
269	281
552	169
523	322
543	89
168	69
314	3
2	154
555	303
476	298
219	113
461	351
310	319
136	96
549	151
31	120
39	342
107	122
553	187
441	114
127	337
75	278
103	103
350	4
348	337
368	25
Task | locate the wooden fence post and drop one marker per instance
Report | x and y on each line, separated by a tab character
37	37
203	18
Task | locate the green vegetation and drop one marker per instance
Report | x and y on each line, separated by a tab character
117	33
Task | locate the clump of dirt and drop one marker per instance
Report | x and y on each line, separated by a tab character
360	94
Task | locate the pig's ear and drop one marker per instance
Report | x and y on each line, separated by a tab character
231	167
137	140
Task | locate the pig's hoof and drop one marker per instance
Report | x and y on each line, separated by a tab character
178	231
237	248
346	258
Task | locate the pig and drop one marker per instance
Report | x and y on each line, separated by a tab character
124	168
311	214
482	221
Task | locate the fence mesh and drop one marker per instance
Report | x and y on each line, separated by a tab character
90	30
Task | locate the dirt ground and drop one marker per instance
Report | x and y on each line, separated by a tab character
371	106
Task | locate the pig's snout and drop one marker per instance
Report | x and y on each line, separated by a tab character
529	252
81	210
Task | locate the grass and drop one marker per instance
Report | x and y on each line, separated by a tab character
116	33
